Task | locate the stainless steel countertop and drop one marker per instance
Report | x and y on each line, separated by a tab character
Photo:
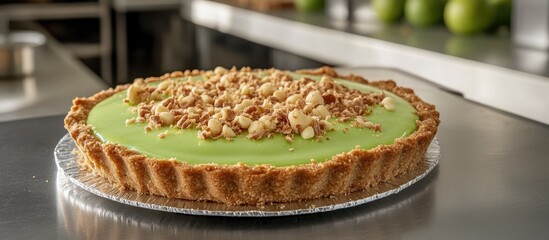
485	69
491	184
59	77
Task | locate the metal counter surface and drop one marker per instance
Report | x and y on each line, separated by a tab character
59	77
478	67
491	183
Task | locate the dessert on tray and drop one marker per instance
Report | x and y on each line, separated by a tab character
251	136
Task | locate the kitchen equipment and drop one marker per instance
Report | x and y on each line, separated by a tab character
17	53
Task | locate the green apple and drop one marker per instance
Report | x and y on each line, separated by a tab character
423	13
467	17
388	11
309	5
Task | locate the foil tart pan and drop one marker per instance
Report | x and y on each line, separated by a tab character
66	161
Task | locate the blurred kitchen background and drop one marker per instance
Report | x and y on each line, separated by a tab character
489	51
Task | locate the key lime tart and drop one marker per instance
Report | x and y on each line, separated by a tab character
249	136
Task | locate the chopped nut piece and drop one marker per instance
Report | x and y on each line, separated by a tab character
280	95
267	104
160	109
245	90
361	122
227	132
289	138
314	98
291	149
215	126
217	116
326	79
163	135
321	111
244	104
329	98
156	96
198	90
227	114
308	133
226	97
298	120
267	89
244	122
225	80
327	125
130	121
185	100
206	99
140	119
308	108
388	103
220	70
133	94
166	118
268	122
164	85
293	99
256	127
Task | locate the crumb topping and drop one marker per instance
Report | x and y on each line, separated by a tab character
227	103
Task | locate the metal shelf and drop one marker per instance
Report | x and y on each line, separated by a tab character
493	70
72	10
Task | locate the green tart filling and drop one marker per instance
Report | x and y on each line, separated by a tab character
108	121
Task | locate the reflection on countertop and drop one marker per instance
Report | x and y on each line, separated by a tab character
86	216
